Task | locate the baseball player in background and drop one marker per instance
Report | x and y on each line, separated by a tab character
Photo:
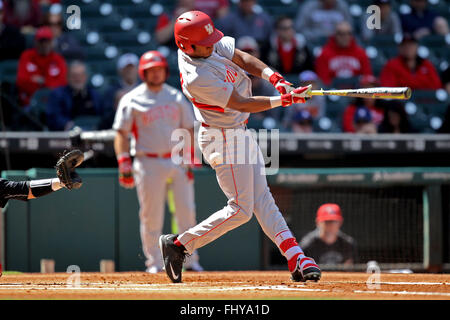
151	112
213	77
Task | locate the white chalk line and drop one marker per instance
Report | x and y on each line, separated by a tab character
404	293
190	288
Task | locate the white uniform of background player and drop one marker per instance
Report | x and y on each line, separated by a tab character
213	78
151	114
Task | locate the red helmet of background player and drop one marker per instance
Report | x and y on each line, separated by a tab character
152	59
329	212
195	28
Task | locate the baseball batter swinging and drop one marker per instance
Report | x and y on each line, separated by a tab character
213	77
151	112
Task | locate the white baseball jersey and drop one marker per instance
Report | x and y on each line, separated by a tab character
209	82
152	117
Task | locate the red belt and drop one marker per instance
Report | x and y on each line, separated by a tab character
207	125
155	155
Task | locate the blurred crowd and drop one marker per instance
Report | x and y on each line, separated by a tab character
53	85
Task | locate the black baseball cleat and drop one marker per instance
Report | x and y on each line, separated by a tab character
173	256
311	271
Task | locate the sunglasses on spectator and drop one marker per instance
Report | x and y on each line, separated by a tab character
285	27
344	33
57	23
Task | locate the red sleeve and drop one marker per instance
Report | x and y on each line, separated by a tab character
24	76
224	3
434	82
366	68
322	69
347	119
61	79
387	76
162	22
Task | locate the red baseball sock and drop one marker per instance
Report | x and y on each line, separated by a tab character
290	248
177	243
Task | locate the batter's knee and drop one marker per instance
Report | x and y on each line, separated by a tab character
245	211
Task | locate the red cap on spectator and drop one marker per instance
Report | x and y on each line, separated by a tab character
44	33
329	212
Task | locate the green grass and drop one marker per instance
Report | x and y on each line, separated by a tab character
12	272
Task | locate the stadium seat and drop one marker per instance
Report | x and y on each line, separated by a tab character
105	67
335	108
87	123
8	70
325	124
119	39
345	83
435	109
38	105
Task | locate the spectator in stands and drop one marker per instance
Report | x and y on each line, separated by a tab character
422	21
245	21
40	67
342	57
395	118
327	243
127	69
362	121
315	105
377	113
76	99
408	69
23	14
166	22
216	9
12	42
319	18
64	43
288	51
302	122
390	22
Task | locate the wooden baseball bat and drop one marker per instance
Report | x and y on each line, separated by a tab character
374	93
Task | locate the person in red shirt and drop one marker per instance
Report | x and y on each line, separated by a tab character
40	67
410	70
25	15
288	51
342	57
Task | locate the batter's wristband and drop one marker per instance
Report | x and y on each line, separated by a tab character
123	157
267	73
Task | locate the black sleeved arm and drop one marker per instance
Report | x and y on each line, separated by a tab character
13	190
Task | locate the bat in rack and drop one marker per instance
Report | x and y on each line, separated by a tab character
403	93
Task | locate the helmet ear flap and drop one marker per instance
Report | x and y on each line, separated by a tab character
185	47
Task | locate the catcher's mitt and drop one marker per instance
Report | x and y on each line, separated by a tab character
65	169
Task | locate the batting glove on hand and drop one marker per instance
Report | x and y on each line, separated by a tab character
126	179
280	83
298	95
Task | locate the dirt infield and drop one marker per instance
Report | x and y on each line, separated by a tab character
224	285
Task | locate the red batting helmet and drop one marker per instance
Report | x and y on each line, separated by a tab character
195	28
152	59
